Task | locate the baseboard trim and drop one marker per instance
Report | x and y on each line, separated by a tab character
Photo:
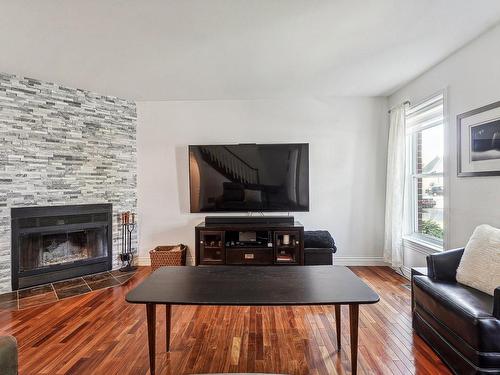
359	261
143	261
337	260
406	272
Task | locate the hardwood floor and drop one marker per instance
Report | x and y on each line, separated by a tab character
99	333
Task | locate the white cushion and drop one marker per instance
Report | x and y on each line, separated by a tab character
480	265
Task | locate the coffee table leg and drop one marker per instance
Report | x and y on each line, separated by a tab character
337	324
353	323
151	318
168	321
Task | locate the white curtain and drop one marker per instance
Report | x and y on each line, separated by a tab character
395	189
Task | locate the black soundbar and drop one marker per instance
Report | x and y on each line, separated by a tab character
228	220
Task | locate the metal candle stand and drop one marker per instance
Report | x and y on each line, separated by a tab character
127	256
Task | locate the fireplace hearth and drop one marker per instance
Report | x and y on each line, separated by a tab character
60	242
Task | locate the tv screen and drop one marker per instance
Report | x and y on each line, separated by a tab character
249	177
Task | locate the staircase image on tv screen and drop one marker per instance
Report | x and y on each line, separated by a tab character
249	177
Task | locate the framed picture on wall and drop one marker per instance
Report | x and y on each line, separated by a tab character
478	137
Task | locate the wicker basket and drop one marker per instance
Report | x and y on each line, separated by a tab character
168	256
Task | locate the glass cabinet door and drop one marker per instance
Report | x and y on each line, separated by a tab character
212	249
286	247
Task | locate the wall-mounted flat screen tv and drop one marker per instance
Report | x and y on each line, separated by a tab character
249	177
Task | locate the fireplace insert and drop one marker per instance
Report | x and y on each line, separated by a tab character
60	242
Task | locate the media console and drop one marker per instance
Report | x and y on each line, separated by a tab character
252	242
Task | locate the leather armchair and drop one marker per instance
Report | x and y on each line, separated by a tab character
496	306
460	323
8	355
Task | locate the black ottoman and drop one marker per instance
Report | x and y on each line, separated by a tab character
319	247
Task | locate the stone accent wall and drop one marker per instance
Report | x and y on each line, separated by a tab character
60	146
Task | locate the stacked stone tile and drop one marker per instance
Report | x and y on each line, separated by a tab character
60	146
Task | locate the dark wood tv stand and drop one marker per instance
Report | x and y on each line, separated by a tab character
263	244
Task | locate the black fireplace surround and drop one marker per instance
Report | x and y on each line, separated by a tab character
60	242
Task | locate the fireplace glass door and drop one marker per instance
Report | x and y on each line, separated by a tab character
40	250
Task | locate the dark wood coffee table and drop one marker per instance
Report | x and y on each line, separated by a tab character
250	286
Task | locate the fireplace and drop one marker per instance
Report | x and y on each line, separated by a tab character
60	242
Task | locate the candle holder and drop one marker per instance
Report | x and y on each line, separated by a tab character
127	256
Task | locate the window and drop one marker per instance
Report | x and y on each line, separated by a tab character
425	187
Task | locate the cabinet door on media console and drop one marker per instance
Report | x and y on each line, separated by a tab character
212	249
287	247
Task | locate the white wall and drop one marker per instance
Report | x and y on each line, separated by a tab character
347	139
471	78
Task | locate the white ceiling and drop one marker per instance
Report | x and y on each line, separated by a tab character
235	49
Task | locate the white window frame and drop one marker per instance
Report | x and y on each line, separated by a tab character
411	201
